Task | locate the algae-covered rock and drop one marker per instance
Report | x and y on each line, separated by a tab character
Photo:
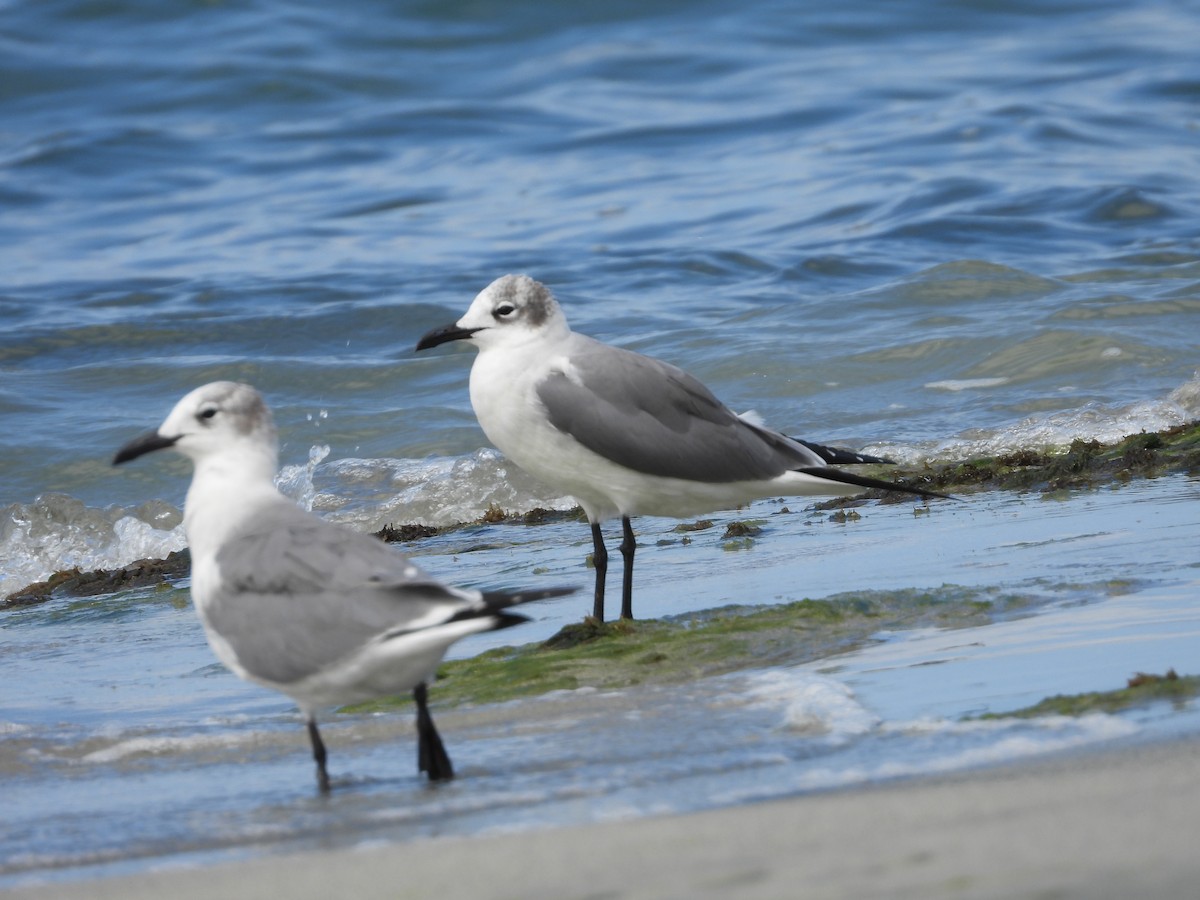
74	583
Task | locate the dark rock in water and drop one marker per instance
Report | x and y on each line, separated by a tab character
493	515
396	534
541	516
74	583
742	529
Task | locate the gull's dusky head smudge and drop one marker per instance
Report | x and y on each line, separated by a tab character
513	309
211	419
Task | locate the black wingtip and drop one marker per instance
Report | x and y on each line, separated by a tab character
836	456
496	604
830	474
508	620
496	600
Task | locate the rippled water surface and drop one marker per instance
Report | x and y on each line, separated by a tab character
929	229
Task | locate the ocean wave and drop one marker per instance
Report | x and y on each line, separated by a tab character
57	532
368	494
163	745
1049	431
940	746
810	704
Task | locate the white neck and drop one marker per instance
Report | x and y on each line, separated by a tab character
222	486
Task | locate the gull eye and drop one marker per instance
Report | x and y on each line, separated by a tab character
207	413
504	310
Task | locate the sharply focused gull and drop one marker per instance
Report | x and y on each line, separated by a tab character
324	614
623	433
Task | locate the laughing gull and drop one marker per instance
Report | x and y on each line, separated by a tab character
624	434
324	614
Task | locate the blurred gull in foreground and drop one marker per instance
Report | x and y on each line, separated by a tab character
324	614
623	433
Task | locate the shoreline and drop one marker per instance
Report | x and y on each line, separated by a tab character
1115	821
1082	465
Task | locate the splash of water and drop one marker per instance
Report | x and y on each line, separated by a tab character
57	532
297	481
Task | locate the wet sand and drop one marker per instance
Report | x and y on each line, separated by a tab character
1119	822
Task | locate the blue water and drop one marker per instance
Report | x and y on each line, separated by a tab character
926	228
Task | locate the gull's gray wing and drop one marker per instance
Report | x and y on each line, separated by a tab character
654	418
297	593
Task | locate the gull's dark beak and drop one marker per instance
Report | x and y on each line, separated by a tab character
444	335
146	443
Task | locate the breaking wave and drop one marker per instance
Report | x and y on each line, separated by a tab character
58	532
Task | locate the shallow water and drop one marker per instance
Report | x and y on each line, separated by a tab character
222	768
927	229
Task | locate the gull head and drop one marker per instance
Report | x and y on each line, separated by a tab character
217	418
512	310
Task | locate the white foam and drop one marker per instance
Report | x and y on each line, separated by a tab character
810	704
1009	740
153	746
966	384
959	746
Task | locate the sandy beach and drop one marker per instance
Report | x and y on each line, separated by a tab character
1118	822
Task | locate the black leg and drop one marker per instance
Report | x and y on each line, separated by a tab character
600	561
628	546
318	746
431	754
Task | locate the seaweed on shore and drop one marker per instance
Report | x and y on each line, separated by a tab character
1140	690
620	654
493	515
1084	464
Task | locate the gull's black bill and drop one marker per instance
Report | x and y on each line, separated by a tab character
139	446
444	335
